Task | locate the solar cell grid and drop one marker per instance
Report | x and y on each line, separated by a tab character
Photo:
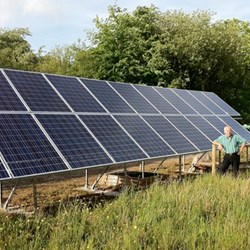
3	173
152	144
157	100
75	94
176	101
36	91
170	134
120	146
192	101
216	122
25	148
191	132
207	102
205	127
8	98
107	96
134	98
74	141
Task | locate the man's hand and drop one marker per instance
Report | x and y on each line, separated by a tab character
220	147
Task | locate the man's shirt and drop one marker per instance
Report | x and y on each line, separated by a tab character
231	145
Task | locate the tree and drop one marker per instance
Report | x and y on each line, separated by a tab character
15	51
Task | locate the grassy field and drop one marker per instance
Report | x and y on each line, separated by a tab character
204	213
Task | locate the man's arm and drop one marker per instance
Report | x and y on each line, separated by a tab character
219	145
243	145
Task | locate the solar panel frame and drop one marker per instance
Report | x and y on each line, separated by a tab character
9	100
188	129
149	140
134	98
176	101
207	102
114	138
26	149
157	100
109	98
192	101
221	103
4	175
171	134
36	91
78	146
75	94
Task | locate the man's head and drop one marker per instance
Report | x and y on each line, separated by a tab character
228	131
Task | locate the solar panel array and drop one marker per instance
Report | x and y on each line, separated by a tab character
51	123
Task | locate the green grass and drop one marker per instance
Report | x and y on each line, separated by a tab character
204	213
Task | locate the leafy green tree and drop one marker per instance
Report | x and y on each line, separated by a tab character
15	51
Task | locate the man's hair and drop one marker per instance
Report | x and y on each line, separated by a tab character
227	127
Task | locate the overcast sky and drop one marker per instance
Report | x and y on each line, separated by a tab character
62	22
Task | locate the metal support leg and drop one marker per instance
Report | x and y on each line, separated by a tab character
86	179
142	169
183	163
1	194
5	206
35	198
99	177
180	166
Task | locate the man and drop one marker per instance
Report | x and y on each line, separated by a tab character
233	145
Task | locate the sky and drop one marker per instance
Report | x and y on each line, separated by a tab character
63	22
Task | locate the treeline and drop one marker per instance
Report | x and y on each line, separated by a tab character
147	46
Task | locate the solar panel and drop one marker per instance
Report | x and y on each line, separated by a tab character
191	132
207	102
136	100
25	148
107	96
216	122
8	98
3	173
176	101
145	136
120	146
36	91
238	128
223	105
192	101
157	100
74	141
171	135
205	127
75	94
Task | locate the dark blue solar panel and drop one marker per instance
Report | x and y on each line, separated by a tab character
74	141
237	128
133	97
3	173
176	101
207	102
25	148
223	105
75	94
170	134
107	96
153	145
192	101
204	127
36	91
8	98
120	146
192	133
156	99
216	122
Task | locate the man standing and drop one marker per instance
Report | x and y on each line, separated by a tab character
232	145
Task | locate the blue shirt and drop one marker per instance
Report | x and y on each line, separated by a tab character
231	144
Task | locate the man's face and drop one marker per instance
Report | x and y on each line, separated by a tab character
228	132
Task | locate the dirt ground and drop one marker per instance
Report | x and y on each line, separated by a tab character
64	186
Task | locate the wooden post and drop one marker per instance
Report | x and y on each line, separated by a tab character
35	198
213	159
86	179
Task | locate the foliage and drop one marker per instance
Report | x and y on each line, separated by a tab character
15	51
205	213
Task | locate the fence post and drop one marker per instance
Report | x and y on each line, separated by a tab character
213	159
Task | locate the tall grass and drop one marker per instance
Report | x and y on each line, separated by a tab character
205	213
